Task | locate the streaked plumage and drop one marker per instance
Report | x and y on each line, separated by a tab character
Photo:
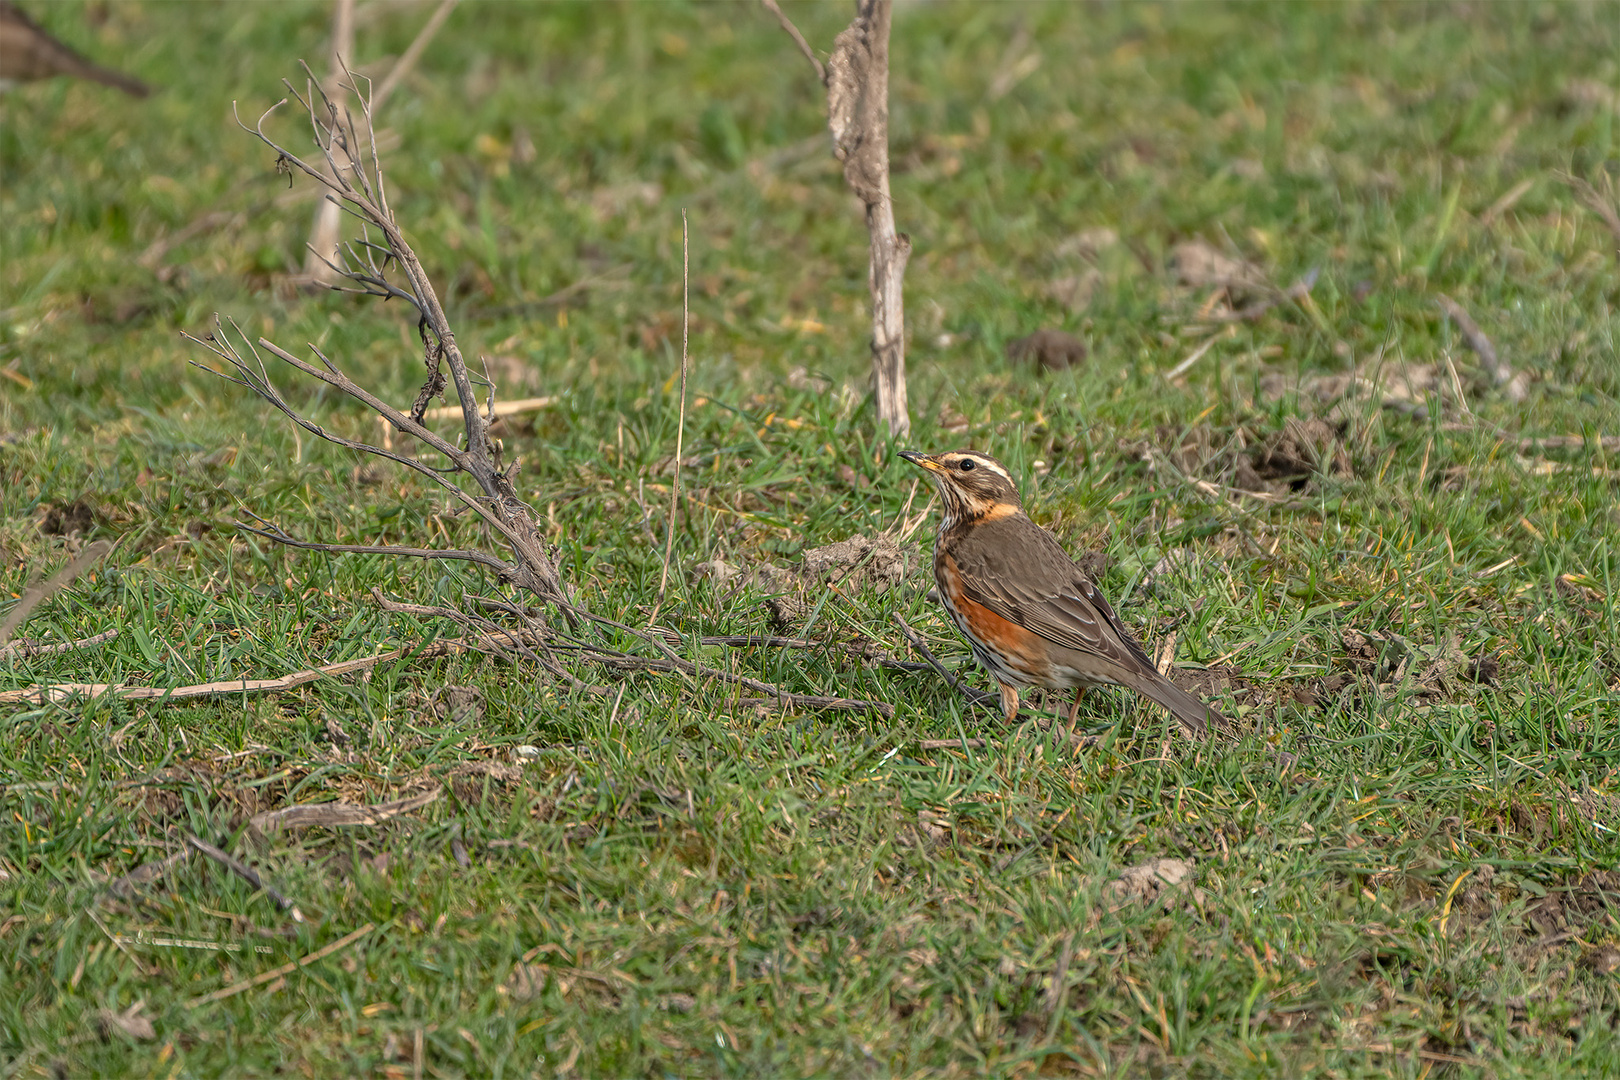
1031	614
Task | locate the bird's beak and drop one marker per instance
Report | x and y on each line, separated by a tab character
922	461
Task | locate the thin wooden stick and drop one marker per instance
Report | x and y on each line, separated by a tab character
953	744
35	595
798	39
285	969
247	874
26	650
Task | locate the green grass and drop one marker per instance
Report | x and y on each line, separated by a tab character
701	888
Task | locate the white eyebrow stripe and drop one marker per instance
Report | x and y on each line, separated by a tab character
983	461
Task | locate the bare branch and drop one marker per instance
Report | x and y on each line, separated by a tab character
396	550
798	39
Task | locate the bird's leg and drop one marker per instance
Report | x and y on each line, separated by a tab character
1074	709
1009	701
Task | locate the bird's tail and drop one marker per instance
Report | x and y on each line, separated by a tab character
1196	716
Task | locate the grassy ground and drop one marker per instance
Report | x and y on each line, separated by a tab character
1406	865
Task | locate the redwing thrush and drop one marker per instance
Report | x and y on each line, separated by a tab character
27	52
1030	613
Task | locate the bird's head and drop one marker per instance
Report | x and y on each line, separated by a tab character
972	485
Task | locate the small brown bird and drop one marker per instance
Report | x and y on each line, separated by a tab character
1031	614
27	53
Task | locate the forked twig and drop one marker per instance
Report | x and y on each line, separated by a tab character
349	170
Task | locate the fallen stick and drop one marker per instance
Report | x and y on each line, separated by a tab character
27	650
1500	371
285	969
979	697
502	408
247	874
58	692
35	595
974	697
317	815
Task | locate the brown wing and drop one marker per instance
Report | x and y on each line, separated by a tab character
1018	570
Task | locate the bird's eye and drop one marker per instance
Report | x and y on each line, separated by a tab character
967	464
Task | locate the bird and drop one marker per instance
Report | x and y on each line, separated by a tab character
27	53
1032	616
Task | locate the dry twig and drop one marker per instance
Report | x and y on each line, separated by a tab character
285	969
247	874
27	650
974	697
1498	370
798	39
332	814
35	595
59	692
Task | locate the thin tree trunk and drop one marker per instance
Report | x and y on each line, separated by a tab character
327	230
858	117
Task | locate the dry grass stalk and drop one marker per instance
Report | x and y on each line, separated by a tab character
680	427
1605	206
285	969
